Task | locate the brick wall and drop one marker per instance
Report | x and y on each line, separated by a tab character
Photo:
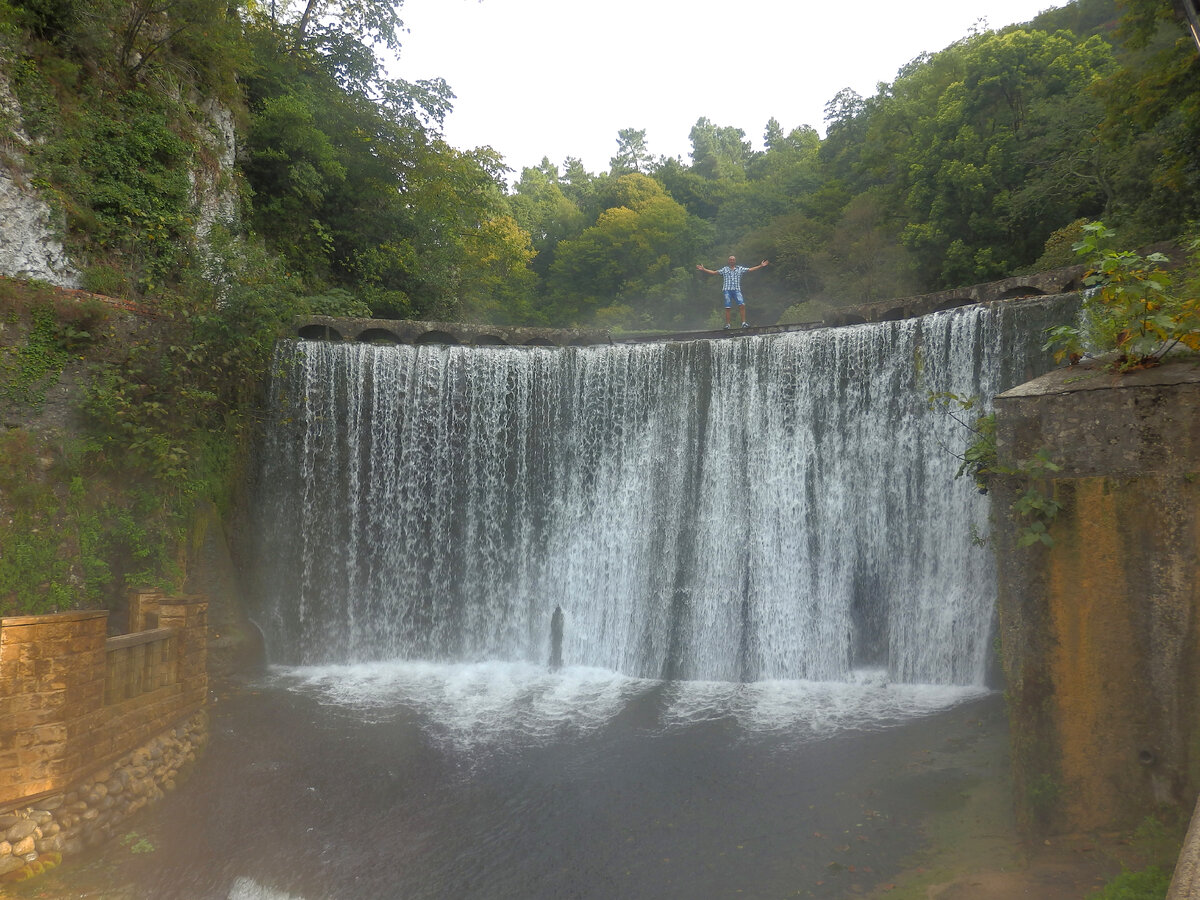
55	726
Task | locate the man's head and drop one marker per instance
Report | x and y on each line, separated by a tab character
733	260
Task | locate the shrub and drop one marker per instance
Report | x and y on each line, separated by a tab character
1133	309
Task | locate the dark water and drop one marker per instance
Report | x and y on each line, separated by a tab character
301	795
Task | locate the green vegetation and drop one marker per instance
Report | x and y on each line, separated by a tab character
975	163
980	461
1138	311
981	160
99	497
986	158
1151	883
135	842
1155	843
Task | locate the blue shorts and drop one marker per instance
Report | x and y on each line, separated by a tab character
730	296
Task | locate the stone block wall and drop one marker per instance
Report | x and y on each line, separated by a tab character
1100	632
51	690
59	737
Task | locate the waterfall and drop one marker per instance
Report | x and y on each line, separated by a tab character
762	507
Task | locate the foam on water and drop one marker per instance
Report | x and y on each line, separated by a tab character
249	889
469	707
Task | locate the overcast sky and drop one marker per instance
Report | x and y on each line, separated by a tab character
560	78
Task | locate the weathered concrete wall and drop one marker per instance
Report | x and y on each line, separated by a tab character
1101	632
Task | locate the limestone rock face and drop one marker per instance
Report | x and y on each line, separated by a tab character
213	185
30	246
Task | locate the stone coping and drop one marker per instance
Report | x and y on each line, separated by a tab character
51	618
1094	375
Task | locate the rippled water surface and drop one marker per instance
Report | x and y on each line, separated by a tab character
502	781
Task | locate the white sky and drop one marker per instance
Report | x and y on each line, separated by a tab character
559	78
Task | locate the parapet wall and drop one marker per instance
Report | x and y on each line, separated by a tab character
1100	632
77	705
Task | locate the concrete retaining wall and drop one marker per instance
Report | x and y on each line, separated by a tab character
1100	632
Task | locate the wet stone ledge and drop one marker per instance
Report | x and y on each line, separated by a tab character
36	836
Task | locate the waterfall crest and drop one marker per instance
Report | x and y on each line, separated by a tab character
764	507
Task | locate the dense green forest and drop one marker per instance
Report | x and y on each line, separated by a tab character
980	160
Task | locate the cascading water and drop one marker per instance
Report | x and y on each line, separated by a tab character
764	507
769	608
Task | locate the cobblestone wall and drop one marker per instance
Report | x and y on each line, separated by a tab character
35	836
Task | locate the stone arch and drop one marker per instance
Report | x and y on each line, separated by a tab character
540	342
378	336
895	314
314	332
437	337
489	340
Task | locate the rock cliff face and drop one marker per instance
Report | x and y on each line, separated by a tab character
30	232
213	181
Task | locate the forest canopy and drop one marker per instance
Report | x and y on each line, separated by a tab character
978	161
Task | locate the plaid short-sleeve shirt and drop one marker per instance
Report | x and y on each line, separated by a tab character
732	276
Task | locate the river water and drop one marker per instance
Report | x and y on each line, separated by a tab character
425	782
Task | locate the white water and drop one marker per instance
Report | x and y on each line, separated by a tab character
760	509
476	707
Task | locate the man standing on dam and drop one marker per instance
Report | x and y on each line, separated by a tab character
732	273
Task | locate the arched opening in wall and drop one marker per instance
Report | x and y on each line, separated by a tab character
319	333
378	336
839	319
895	314
540	342
581	342
437	337
490	340
1024	290
953	303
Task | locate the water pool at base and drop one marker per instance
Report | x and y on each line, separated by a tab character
504	782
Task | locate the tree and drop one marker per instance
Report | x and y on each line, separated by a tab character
357	190
632	154
541	208
497	285
1151	126
773	134
634	244
368	21
956	138
864	260
719	153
